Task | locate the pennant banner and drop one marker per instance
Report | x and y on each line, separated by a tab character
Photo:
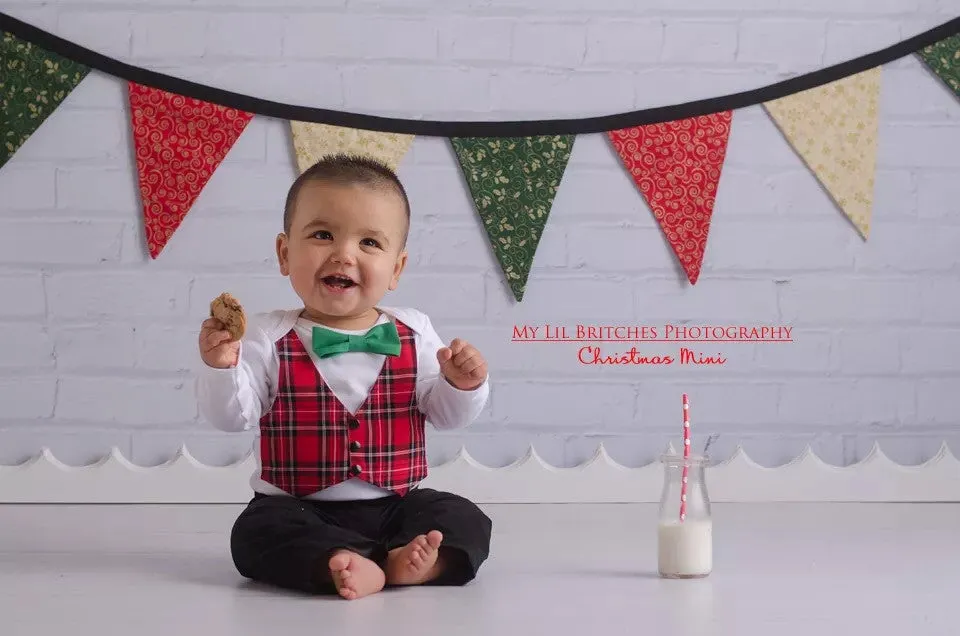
33	83
677	165
182	131
312	142
943	58
513	182
179	143
834	130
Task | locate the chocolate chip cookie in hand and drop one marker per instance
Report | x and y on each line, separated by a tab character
229	312
220	334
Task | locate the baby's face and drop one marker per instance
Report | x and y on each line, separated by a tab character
344	250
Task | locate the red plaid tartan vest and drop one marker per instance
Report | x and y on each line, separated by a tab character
310	441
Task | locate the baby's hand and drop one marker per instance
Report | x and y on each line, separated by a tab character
462	365
218	349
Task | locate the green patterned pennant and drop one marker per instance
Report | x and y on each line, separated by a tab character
943	58
33	83
513	181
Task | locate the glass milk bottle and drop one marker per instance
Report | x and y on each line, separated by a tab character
685	531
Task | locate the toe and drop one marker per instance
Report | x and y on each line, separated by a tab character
434	538
339	562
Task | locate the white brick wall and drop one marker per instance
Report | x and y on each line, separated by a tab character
98	342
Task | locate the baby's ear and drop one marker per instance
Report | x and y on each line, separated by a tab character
282	254
398	269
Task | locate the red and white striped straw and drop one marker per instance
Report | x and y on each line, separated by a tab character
686	456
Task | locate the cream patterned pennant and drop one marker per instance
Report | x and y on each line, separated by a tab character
834	130
312	142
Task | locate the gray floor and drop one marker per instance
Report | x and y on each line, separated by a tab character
779	569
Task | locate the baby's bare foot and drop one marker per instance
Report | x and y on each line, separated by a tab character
355	576
417	562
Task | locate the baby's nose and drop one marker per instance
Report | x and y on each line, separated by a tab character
344	253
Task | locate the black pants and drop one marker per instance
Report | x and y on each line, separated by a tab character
287	542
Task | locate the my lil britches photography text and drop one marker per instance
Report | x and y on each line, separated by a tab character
650	345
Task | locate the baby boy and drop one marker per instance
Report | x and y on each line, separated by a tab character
340	390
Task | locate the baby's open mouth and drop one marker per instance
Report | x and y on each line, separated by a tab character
338	281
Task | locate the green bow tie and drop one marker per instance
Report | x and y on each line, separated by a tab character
381	339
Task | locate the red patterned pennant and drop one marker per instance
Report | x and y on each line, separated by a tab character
677	167
179	142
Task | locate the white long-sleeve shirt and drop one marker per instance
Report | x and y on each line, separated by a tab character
234	399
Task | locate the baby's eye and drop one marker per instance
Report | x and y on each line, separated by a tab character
371	242
322	234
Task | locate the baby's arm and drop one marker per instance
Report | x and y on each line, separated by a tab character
445	406
233	399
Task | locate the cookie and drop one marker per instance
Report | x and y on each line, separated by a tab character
228	310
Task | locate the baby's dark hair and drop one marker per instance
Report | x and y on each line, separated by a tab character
346	169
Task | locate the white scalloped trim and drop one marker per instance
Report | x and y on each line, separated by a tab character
183	479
